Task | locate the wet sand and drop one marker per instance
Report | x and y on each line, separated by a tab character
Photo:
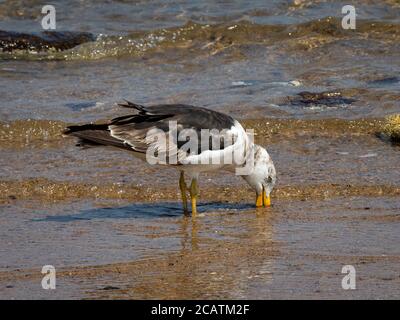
115	228
294	250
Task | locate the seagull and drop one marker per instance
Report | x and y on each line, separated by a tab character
191	139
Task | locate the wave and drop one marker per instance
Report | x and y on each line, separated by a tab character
194	38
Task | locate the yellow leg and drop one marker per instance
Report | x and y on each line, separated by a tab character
259	201
193	195
263	200
182	186
266	200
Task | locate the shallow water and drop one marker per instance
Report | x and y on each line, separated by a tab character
249	59
283	252
315	95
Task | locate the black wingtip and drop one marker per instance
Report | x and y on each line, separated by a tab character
131	105
71	129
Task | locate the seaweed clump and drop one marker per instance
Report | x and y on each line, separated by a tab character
391	127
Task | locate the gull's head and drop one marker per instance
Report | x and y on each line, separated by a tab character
263	177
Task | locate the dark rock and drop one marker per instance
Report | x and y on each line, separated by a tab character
43	41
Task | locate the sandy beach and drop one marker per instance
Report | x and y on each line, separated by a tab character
122	240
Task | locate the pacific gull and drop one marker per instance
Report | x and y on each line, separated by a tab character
192	139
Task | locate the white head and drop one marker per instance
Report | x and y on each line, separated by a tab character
263	177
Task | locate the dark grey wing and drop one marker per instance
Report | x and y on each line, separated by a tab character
144	129
176	121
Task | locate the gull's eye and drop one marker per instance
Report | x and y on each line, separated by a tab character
269	179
